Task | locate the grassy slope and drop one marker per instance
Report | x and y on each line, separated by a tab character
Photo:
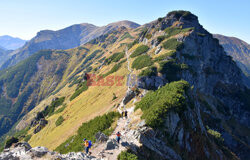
91	103
95	101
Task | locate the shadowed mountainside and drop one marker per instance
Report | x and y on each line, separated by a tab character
238	49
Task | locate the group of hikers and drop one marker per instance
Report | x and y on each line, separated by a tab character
125	114
88	144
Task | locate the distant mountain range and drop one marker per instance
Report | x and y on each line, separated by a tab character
11	43
70	37
238	49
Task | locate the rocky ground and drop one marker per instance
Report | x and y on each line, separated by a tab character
23	151
106	148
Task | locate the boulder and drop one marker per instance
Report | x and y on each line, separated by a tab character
42	123
158	49
111	144
101	137
23	144
74	155
152	82
129	95
39	151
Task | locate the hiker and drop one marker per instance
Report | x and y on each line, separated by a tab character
126	114
122	114
87	145
118	136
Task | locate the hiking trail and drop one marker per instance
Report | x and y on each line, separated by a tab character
99	149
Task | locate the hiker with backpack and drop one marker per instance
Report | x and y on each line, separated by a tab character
87	144
118	136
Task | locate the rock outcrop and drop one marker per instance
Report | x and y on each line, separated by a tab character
23	151
42	123
101	137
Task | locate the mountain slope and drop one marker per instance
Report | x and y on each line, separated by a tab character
191	100
66	38
4	55
11	43
24	85
238	49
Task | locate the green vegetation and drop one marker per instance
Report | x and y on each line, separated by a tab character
171	31
10	141
18	86
180	13
89	69
156	103
75	80
59	121
115	68
142	61
5	105
160	38
148	72
148	35
215	134
115	57
160	19
114	96
18	76
172	44
130	45
88	130
60	109
81	88
201	34
27	138
89	58
51	108
170	69
164	56
12	135
125	36
127	155
139	50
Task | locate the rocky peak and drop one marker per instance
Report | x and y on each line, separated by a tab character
216	80
178	18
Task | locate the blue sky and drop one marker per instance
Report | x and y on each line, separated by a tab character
24	18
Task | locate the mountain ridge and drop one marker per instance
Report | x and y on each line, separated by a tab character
69	37
11	43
